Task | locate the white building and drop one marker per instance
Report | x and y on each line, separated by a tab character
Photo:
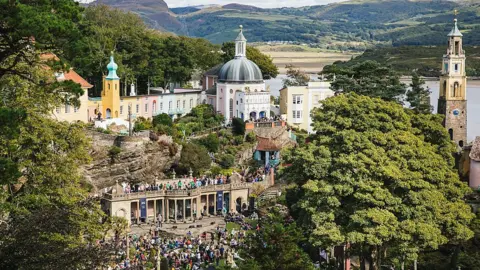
297	102
240	90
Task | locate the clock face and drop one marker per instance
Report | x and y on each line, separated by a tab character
456	112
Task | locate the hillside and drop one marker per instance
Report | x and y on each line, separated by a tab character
425	59
154	12
351	25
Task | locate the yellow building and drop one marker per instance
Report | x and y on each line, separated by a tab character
296	103
111	92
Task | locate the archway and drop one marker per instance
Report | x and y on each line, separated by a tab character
109	114
460	143
238	204
456	89
253	115
154	107
121	213
263	114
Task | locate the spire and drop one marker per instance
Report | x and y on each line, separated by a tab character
240	44
455	32
112	69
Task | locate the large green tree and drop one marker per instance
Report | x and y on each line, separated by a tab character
264	62
379	177
418	95
295	77
368	78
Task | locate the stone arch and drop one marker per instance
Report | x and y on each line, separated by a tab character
239	202
109	113
460	143
121	213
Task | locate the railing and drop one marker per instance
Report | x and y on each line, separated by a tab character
180	192
269	124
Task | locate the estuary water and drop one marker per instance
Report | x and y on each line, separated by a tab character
473	103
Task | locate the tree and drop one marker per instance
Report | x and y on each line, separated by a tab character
23	28
210	142
238	126
295	77
418	95
205	54
263	61
276	245
162	119
380	178
195	157
226	160
367	78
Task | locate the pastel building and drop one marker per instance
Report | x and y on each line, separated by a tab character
297	102
240	90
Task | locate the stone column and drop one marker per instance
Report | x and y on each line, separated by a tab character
154	211
167	216
267	157
208	206
216	207
175	213
184	211
138	212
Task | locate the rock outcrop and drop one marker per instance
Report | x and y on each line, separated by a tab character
137	159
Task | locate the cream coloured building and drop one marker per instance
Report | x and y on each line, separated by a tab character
296	103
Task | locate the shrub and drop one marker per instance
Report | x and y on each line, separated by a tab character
113	152
251	137
142	124
238	140
162	119
238	126
211	142
195	157
226	161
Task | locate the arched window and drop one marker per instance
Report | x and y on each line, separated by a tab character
450	132
460	143
456	89
444	88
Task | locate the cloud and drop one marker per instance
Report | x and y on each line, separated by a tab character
257	3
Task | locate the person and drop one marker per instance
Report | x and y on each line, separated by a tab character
159	220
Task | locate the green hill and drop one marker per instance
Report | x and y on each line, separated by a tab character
351	25
426	60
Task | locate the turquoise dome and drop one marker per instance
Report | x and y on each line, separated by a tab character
112	70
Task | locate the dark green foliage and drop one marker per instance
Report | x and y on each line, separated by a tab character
211	142
226	160
380	177
276	246
264	62
367	78
238	126
142	124
419	96
195	157
162	119
251	137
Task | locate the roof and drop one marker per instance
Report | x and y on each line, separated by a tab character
240	70
240	36
73	76
455	32
213	71
475	152
267	144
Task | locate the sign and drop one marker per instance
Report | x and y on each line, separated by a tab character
143	208
219	200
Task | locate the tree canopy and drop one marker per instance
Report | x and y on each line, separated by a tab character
419	96
379	177
295	77
368	78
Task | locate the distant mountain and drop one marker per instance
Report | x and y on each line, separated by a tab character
154	12
356	24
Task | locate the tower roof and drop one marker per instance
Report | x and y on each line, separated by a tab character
112	69
240	36
455	32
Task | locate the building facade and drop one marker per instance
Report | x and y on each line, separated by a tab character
452	102
297	102
241	90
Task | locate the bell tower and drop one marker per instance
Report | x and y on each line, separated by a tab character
452	102
111	91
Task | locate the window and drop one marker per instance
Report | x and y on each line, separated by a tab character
457	47
456	67
178	104
137	108
161	106
241	100
446	67
191	103
57	109
154	106
231	106
297	99
237	102
297	114
67	108
169	105
146	107
121	109
184	104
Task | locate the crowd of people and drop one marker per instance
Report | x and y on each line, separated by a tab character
187	252
180	184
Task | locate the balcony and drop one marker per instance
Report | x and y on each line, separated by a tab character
176	111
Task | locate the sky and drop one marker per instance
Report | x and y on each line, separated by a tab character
257	3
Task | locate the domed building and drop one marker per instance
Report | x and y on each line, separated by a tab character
240	89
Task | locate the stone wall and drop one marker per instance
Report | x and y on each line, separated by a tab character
140	159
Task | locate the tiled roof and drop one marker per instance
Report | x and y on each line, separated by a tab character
73	76
475	152
267	144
